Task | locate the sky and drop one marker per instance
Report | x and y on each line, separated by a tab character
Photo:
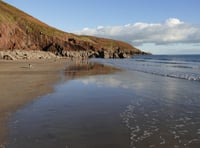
155	26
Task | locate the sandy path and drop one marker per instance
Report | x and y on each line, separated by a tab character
20	84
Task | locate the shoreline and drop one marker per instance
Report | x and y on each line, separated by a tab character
21	83
52	120
115	115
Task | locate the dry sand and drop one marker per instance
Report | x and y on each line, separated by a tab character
20	84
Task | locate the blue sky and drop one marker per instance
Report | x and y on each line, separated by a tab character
156	26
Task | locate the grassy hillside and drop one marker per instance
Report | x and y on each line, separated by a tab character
10	14
19	30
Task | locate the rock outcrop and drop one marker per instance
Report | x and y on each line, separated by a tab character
19	30
26	55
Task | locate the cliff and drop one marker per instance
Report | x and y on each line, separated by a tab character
21	31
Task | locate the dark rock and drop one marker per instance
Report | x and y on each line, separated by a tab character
8	57
72	40
115	55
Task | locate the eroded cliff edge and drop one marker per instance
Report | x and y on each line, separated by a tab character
20	31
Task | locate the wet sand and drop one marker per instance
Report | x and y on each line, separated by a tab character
20	84
95	109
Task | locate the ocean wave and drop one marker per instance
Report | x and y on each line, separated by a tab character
179	75
181	70
159	61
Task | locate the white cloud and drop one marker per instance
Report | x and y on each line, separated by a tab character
173	22
170	31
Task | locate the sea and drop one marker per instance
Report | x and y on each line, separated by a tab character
176	66
153	102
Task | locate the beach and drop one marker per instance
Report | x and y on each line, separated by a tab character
99	74
21	83
113	103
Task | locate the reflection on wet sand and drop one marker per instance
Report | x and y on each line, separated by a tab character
84	68
163	112
75	115
100	107
21	84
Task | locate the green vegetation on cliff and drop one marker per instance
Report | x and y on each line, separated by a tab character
19	30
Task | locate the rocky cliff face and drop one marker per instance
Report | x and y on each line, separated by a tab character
19	30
